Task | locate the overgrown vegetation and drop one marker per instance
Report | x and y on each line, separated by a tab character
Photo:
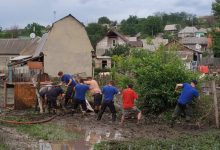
205	141
154	76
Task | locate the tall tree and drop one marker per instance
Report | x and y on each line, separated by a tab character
216	34
34	28
129	26
96	32
104	20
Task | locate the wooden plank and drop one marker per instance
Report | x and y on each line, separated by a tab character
215	104
35	65
24	96
38	96
5	94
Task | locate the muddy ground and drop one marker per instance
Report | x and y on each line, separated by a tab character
93	131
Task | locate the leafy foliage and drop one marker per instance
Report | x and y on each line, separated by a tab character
34	27
118	50
154	75
104	20
216	43
95	32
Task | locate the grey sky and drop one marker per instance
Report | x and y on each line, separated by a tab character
22	12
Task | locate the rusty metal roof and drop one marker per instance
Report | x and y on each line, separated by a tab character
14	46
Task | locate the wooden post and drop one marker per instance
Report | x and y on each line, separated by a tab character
5	94
215	104
38	96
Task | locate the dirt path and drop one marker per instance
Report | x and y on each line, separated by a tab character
93	132
16	140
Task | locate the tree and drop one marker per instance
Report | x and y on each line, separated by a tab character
129	26
216	8
119	50
104	20
154	75
95	32
34	28
216	33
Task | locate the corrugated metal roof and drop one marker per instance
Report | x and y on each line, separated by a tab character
194	40
14	46
36	47
188	30
170	27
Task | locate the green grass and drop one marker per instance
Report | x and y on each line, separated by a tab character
205	141
3	146
47	131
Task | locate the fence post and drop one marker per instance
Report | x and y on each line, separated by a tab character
5	94
215	104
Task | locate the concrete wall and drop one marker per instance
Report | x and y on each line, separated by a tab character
98	62
107	43
4	60
68	48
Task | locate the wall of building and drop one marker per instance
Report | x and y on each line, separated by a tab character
68	48
107	43
4	60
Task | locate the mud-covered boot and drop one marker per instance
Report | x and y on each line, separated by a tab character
113	117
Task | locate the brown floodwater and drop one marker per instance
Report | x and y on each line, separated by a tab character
86	142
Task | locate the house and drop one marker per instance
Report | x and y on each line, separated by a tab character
154	44
114	38
170	27
187	32
195	43
191	57
202	32
65	47
103	62
10	48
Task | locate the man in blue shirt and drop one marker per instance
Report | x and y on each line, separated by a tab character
52	95
80	94
185	99
70	83
109	91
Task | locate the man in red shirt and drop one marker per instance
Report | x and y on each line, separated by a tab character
128	98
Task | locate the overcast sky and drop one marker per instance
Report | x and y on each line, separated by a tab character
22	12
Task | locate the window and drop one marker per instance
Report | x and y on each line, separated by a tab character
114	42
104	64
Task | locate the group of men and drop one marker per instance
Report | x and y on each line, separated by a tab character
77	89
102	98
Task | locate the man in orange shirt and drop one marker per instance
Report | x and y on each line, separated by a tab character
128	98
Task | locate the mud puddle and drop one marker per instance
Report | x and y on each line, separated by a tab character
86	142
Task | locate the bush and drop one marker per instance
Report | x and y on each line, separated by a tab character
154	75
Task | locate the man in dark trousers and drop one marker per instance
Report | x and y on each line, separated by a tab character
52	96
186	97
109	91
70	83
80	95
96	93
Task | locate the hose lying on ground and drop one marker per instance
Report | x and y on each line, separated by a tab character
29	122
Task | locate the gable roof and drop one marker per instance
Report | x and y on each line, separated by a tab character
194	40
137	43
170	27
203	30
181	45
188	30
67	17
14	46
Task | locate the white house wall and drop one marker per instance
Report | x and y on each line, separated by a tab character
68	48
